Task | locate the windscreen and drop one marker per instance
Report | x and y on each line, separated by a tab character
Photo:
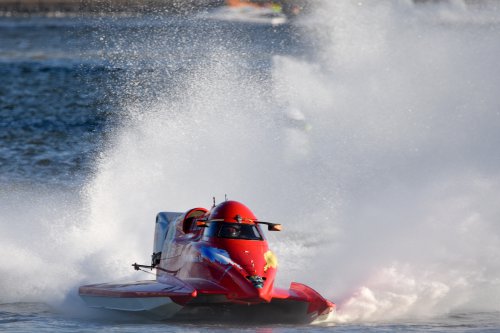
235	231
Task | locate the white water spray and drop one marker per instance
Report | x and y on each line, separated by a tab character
407	125
387	197
386	183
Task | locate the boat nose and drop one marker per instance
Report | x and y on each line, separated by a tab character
262	287
261	270
256	270
265	294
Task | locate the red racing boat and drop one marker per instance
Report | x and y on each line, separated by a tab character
212	265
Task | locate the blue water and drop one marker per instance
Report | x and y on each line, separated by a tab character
30	317
375	124
63	81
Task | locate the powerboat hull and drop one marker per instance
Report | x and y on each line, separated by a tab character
299	304
211	265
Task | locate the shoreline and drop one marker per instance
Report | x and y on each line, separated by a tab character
41	7
92	7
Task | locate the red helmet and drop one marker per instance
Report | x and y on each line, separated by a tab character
231	211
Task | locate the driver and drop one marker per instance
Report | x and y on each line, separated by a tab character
232	232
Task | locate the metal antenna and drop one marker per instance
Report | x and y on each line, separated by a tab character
225	197
214	202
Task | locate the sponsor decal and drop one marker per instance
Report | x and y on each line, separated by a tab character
271	260
220	256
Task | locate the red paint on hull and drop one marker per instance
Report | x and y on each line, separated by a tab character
214	257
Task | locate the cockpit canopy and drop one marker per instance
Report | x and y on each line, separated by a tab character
233	230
